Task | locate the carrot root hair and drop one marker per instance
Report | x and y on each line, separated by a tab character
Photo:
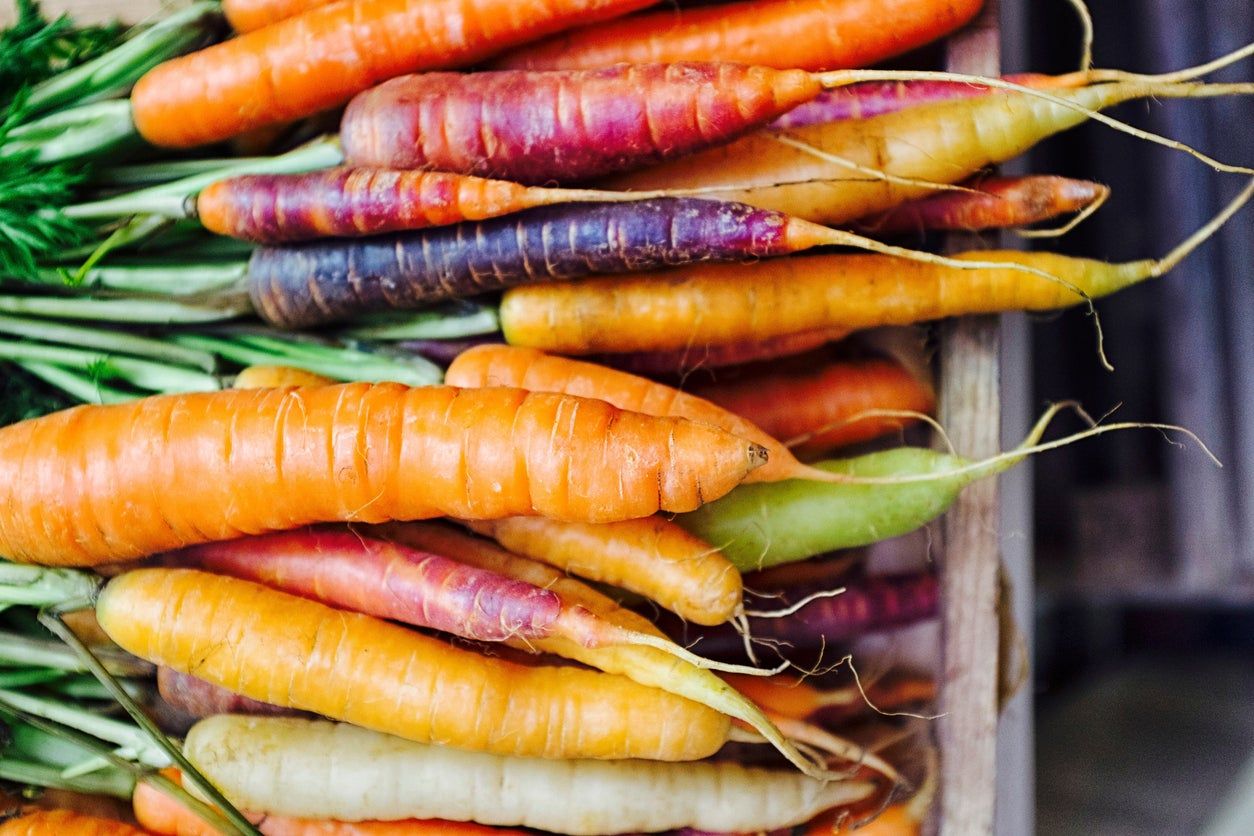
869	414
1098	201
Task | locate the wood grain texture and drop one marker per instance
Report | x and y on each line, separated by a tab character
970	409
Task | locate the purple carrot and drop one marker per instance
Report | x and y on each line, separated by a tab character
866	606
324	281
197	698
564	125
383	579
874	98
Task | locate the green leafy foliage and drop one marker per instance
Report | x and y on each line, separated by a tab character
35	48
23	396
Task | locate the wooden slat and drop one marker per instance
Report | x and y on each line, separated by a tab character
970	409
93	11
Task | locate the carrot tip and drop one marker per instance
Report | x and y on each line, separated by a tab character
757	456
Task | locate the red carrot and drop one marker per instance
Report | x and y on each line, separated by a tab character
810	405
383	579
563	126
996	203
706	356
812	34
319	59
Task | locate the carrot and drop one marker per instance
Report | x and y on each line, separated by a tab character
348	571
320	58
290	651
693	357
875	98
65	823
996	203
814	406
649	665
270	377
786	296
324	770
795	173
197	698
352	202
118	482
313	283
866	606
812	34
247	15
164	815
652	557
493	365
564	126
890	493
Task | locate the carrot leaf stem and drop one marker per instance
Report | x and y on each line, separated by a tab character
446	322
170	200
40	586
16	649
123	65
114	782
78	386
112	341
142	373
135	309
191	774
165	279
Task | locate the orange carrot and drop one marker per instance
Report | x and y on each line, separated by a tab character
97	484
65	823
320	58
997	203
808	406
653	557
809	34
247	15
790	696
503	365
162	814
289	651
270	377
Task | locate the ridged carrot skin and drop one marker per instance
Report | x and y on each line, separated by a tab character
652	557
65	823
290	651
690	358
810	34
875	98
97	484
815	400
563	126
352	202
161	814
785	296
997	203
346	570
523	368
322	57
197	698
303	285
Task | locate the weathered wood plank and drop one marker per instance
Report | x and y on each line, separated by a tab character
970	410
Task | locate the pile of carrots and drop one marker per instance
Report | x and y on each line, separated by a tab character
607	574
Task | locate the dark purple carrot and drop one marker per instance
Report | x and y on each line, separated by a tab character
197	698
383	579
995	203
352	202
866	606
445	351
540	127
874	98
318	282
